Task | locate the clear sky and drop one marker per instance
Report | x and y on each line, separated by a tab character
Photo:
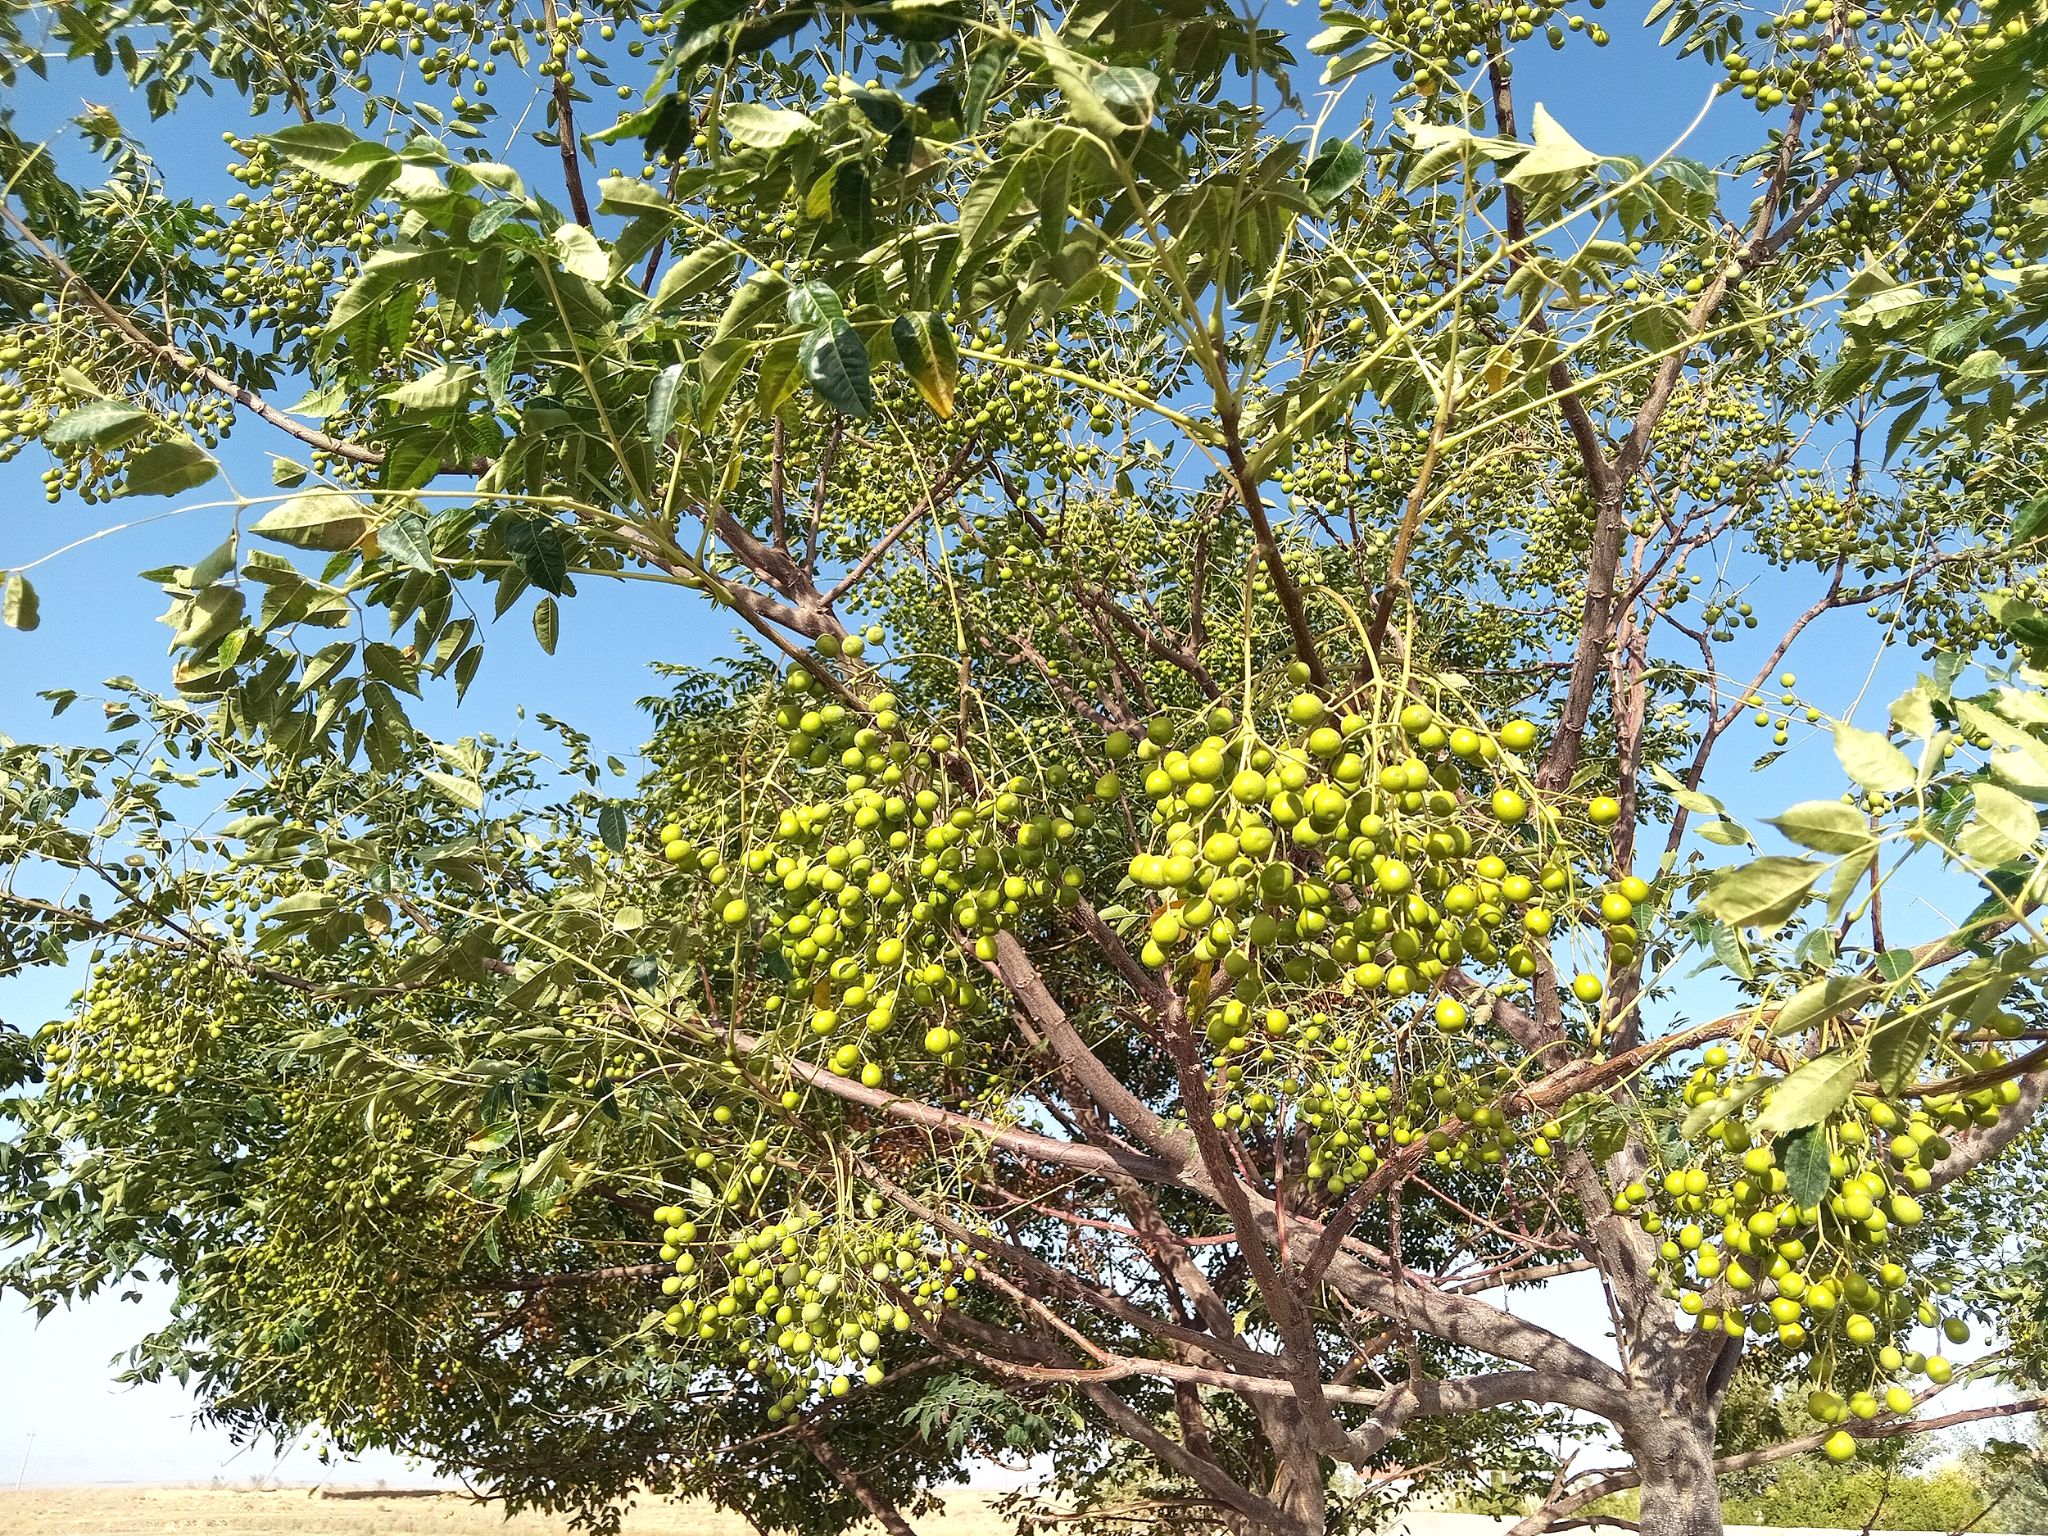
61	1419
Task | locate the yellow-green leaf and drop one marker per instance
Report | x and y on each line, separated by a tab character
924	345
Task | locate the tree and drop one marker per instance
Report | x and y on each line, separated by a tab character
1180	905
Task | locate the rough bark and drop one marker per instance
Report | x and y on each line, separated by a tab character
1674	1455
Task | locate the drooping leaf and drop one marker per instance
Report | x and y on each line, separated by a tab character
19	606
329	520
661	403
547	624
983	72
924	345
540	552
165	469
1896	1047
1804	1157
835	361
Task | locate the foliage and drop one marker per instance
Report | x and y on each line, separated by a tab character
1160	927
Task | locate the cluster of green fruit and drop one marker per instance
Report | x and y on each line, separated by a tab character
1370	869
53	363
1813	1243
459	44
288	241
1455	33
1879	74
866	899
144	1021
804	1321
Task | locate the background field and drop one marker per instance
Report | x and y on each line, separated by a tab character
301	1512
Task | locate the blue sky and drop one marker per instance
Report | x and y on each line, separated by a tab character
98	621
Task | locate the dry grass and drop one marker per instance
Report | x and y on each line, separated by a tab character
303	1512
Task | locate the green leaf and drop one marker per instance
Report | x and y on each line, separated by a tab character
19	607
331	151
540	552
1826	826
759	127
1728	833
2004	826
466	793
836	364
812	304
580	253
329	520
438	389
753	296
631	195
1872	761
166	469
2031	521
924	345
661	403
405	540
1761	893
1821	1000
96	424
698	272
611	827
983	72
1804	1157
1896	1047
547	624
1812	1093
1338	166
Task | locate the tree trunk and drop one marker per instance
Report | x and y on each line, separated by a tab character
1296	1491
1674	1456
1299	1491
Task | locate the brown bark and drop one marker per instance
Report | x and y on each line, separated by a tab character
849	1477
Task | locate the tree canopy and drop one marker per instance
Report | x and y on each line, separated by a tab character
1213	862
